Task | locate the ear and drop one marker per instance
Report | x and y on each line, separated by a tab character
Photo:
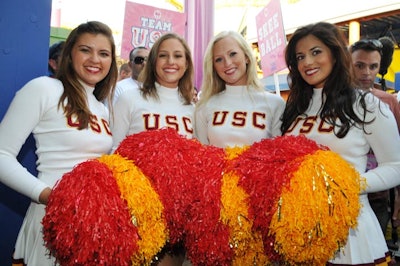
53	63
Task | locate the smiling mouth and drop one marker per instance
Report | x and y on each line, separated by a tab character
230	71
311	72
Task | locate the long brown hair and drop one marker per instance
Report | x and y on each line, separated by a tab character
148	74
74	94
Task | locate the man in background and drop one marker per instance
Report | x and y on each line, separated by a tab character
370	57
54	53
137	61
125	71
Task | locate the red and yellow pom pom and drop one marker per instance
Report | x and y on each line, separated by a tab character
86	221
144	206
238	206
316	209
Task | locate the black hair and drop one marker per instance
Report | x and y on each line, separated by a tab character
386	59
135	49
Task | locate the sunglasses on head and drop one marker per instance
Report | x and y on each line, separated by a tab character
138	60
367	43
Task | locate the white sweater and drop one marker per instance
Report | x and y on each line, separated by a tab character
133	113
239	116
59	144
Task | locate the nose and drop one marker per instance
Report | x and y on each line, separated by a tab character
308	60
367	70
171	59
94	57
227	61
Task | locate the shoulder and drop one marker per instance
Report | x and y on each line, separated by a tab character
385	97
42	87
273	97
129	95
128	83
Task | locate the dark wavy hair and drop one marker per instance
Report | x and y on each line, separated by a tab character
148	75
74	92
339	90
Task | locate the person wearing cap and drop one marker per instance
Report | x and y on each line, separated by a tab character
54	54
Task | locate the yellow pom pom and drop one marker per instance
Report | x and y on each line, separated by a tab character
247	244
144	205
317	209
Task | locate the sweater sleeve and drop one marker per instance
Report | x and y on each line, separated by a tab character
278	106
383	137
122	117
201	125
19	121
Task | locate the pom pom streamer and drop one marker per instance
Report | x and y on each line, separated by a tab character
264	169
318	225
86	221
144	206
187	176
233	206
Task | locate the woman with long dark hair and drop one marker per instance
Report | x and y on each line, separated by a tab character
324	106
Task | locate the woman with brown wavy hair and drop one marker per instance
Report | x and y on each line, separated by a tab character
70	125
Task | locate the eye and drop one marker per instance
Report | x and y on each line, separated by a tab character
105	54
232	54
218	59
373	67
299	57
84	49
162	55
316	52
360	65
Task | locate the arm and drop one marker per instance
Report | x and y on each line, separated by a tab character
121	119
396	207
200	124
278	106
391	100
20	120
384	140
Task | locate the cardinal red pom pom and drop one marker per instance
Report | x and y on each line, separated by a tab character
86	221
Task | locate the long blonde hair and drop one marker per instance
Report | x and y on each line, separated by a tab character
212	84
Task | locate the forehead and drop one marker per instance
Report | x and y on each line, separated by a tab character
95	41
141	52
225	44
309	42
171	44
367	57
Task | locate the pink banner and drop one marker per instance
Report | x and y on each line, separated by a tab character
271	38
143	25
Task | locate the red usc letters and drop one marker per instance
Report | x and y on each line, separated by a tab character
240	118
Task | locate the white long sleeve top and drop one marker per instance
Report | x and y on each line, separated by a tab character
133	113
59	144
381	136
238	116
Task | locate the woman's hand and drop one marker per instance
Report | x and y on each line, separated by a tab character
44	196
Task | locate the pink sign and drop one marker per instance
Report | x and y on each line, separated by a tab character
143	25
271	38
